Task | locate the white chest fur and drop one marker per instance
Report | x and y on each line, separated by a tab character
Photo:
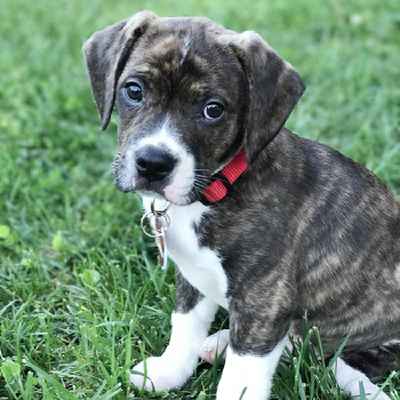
200	266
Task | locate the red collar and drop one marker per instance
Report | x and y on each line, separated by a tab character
224	179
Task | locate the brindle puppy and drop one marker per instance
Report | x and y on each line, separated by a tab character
305	231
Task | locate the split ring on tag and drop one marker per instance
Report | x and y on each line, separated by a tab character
158	220
158	223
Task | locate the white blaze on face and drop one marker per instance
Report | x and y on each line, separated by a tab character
182	178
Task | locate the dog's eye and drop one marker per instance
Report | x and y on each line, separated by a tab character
213	110
133	92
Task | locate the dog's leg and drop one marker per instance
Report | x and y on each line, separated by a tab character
259	323
190	323
349	379
247	376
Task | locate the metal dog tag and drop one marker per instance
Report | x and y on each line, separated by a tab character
159	221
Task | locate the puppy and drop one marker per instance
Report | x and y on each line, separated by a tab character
270	226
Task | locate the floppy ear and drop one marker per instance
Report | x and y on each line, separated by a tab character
274	88
106	53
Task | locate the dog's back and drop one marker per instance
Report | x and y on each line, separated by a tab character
346	244
347	248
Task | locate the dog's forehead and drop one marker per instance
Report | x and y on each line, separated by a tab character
198	29
189	23
169	43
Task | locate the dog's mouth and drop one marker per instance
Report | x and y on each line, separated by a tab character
189	190
180	191
178	195
181	187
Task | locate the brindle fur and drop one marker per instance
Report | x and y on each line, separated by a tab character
305	232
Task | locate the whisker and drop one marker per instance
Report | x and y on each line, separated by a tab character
198	188
201	169
200	184
202	178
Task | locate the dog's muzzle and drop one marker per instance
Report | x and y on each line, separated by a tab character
157	170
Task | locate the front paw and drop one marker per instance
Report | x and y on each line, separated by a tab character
159	373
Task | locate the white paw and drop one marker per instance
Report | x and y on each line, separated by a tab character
159	373
214	346
349	379
381	396
371	393
370	390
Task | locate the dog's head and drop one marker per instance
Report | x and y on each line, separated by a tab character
189	94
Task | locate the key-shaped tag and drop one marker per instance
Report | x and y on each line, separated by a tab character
161	244
159	221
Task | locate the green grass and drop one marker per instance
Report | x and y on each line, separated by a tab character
81	299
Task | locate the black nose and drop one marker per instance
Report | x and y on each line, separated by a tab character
154	163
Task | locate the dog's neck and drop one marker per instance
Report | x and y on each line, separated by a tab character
222	182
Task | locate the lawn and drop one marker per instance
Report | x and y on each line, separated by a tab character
81	297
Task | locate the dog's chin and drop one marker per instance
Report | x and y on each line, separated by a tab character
178	201
166	194
176	196
184	201
159	191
